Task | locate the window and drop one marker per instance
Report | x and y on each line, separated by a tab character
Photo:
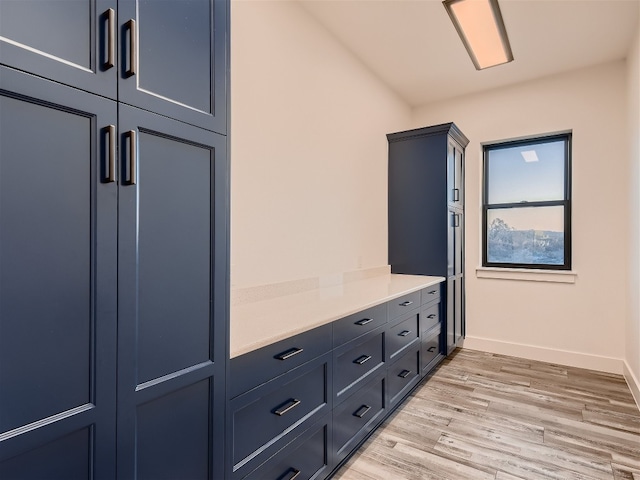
527	203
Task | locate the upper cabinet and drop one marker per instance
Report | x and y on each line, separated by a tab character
173	59
455	174
54	40
166	56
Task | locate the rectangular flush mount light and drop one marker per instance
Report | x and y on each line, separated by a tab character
529	156
480	26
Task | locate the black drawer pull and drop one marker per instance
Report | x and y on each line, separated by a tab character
406	304
404	333
364	321
431	349
285	407
362	411
432	292
433	315
404	373
362	359
290	474
289	353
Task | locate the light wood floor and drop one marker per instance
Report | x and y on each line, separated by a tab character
485	416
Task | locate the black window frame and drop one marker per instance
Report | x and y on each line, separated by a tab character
566	202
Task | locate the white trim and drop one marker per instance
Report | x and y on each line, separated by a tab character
633	382
526	274
543	354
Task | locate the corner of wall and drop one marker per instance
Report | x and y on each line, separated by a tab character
632	331
633	382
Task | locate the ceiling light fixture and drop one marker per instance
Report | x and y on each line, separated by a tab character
529	156
481	28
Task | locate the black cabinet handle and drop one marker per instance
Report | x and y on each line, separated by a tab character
432	292
406	304
132	157
290	474
431	349
404	333
111	156
404	373
362	359
362	411
111	39
364	321
287	406
133	48
289	353
433	315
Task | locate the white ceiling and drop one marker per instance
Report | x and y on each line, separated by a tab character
412	46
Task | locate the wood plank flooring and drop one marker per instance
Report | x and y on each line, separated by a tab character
485	416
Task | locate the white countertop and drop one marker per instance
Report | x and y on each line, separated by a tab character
257	324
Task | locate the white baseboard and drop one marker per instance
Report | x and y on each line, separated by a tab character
632	381
542	354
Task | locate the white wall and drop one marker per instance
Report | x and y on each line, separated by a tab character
632	357
580	324
308	149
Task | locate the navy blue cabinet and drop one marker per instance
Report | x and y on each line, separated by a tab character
268	419
113	239
58	281
300	407
168	57
426	213
69	41
174	59
171	297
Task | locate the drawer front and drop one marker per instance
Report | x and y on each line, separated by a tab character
429	317
262	416
358	416
403	375
431	294
308	459
257	367
400	336
356	363
430	346
353	326
401	305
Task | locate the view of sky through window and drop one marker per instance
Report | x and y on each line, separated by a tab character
526	203
513	179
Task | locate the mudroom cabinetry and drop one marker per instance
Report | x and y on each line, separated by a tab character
301	406
426	213
113	238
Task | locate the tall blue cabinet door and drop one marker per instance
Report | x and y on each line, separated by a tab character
58	234
70	41
173	59
172	299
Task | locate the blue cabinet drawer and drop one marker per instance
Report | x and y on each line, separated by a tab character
356	325
401	305
356	361
401	335
268	414
403	375
255	368
357	416
430	346
429	317
306	458
431	294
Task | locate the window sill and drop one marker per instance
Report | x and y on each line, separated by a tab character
527	275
